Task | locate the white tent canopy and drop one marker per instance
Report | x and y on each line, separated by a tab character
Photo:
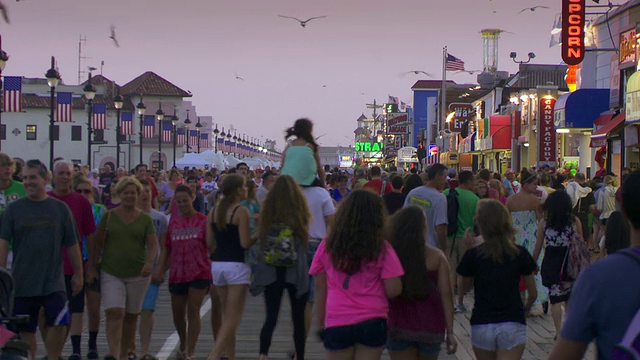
191	160
216	159
232	161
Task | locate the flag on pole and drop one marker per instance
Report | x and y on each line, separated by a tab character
403	106
148	126
99	116
126	123
193	137
220	144
393	100
204	141
167	131
12	96
63	106
453	63
180	136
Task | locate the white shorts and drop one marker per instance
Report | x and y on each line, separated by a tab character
230	273
123	293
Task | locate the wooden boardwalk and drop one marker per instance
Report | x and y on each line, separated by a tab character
540	333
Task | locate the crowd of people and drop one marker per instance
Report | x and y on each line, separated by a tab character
376	258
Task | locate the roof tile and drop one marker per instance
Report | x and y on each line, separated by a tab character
152	84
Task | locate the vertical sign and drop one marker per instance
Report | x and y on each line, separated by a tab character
614	83
547	147
573	31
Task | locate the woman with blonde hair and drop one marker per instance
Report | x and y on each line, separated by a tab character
494	268
283	232
127	239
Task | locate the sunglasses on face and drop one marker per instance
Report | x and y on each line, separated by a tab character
84	191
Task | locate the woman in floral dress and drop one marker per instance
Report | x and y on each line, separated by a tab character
525	208
555	232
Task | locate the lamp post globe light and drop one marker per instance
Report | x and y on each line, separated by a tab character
159	118
215	134
141	109
174	122
53	78
117	103
3	62
187	124
198	129
89	94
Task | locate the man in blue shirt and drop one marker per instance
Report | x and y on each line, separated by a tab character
606	296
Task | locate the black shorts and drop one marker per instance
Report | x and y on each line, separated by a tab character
76	303
370	333
183	288
55	309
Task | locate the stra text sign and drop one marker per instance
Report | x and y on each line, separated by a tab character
573	13
547	147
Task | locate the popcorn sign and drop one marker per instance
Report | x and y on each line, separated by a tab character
547	148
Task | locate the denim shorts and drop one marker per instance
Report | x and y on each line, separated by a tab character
149	302
505	336
370	333
424	349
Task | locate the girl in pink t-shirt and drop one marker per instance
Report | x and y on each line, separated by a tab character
185	253
356	272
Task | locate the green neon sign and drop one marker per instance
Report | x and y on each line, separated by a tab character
369	146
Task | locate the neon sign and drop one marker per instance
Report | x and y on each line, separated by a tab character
573	31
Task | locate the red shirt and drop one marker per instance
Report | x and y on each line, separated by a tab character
83	215
189	254
376	186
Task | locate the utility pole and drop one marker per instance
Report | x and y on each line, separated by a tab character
83	40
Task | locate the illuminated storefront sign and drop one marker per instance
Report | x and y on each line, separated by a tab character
547	148
627	55
573	31
369	146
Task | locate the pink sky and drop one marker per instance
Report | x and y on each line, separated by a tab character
361	47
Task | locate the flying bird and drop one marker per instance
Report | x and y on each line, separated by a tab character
417	72
533	8
113	36
470	72
91	68
239	78
303	23
5	12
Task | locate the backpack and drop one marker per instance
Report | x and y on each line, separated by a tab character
576	259
280	246
629	347
452	212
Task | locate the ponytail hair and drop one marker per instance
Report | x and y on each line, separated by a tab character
229	189
303	129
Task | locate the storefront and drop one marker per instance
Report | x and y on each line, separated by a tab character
574	115
632	122
496	145
609	134
468	153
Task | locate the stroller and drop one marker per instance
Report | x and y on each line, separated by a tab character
12	347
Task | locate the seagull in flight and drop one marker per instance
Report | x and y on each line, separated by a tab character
533	8
470	72
91	68
113	36
239	78
418	72
303	23
5	12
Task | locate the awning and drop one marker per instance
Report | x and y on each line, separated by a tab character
580	108
632	100
599	138
603	119
501	139
633	83
467	144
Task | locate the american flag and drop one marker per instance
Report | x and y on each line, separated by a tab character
12	96
126	123
453	63
167	131
99	116
193	137
227	146
148	126
221	144
204	141
393	100
180	136
63	108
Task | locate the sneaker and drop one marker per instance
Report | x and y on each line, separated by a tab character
459	308
75	357
92	354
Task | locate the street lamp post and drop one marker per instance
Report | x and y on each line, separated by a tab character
215	133
187	124
159	118
89	93
235	144
198	129
174	122
141	109
3	62
229	136
117	103
53	77
223	135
